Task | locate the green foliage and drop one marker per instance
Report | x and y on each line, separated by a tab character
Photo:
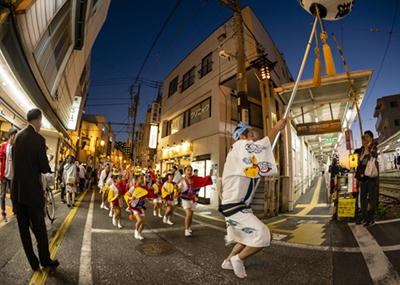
380	212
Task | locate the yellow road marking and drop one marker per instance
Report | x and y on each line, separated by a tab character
308	234
309	216
305	205
314	201
40	276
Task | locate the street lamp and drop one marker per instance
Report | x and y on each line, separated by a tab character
120	158
102	142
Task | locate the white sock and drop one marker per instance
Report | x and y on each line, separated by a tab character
187	233
238	266
227	265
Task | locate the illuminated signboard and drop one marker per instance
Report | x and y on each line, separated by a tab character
153	136
73	117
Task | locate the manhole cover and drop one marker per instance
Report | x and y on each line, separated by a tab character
155	248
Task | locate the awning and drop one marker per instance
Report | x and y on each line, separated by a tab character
391	144
334	93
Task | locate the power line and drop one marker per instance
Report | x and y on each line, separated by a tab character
152	46
180	31
117	104
384	57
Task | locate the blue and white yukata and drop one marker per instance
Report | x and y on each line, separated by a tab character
246	161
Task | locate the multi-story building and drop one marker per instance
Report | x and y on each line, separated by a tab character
96	141
199	105
387	112
45	63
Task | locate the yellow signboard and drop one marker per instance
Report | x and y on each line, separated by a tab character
347	208
353	158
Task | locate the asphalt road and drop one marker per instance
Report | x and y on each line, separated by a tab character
93	251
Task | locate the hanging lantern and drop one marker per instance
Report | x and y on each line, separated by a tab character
329	9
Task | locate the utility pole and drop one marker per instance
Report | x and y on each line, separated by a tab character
159	96
241	83
134	113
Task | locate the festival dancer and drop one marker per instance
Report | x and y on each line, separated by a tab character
191	186
106	189
169	192
116	192
104	176
135	198
157	198
248	159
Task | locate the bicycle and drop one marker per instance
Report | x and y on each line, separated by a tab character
49	205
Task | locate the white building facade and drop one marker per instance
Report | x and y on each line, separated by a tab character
45	63
199	104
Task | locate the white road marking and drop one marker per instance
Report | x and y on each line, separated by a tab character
379	266
85	268
146	231
202	223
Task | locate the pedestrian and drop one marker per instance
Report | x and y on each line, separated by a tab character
191	185
157	198
169	192
398	160
248	159
60	179
334	169
106	189
82	174
6	169
104	176
135	198
115	195
88	177
196	172
70	179
367	184
29	162
152	175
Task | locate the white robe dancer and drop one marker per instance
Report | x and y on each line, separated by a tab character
246	161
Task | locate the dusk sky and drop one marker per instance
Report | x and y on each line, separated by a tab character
131	28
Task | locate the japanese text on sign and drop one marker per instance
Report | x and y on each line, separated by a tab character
73	117
155	111
347	208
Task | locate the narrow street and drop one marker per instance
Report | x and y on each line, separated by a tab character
92	251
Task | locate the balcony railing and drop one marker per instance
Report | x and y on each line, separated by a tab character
380	123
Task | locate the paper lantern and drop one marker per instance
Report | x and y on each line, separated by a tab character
328	9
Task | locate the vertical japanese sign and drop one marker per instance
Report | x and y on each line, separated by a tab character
73	117
349	139
153	137
155	113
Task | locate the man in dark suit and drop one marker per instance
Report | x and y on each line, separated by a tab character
29	162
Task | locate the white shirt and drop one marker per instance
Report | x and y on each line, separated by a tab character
8	171
104	177
82	171
246	161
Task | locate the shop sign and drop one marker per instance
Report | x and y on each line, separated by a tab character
353	160
316	128
352	183
200	112
73	117
153	136
155	113
347	208
349	139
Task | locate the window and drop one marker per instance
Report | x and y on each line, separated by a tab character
173	86
255	115
394	104
200	112
188	79
206	65
177	124
397	122
234	106
53	46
